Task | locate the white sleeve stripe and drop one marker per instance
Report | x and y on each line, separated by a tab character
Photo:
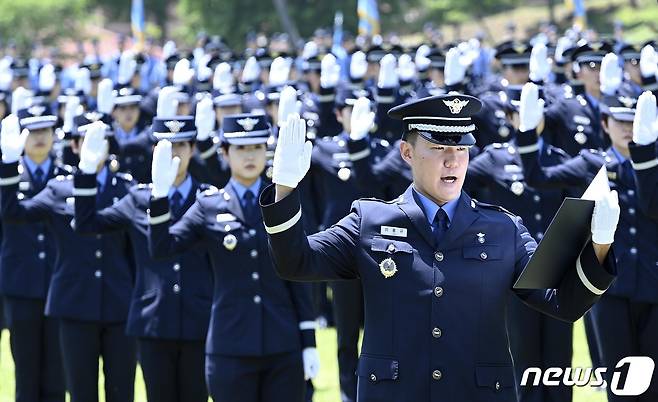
385	99
360	155
10	180
306	325
585	281
528	149
156	220
84	191
209	152
285	225
326	98
645	165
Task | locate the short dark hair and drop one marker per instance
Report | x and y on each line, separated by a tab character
411	137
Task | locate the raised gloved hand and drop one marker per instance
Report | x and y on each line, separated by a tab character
251	70
531	109
454	71
310	50
287	105
168	49
167	103
105	97
12	139
83	81
279	71
6	75
610	75
71	109
539	65
388	76
358	65
204	119
292	156
127	67
311	359
605	218
47	78
421	60
362	119
648	61
329	71
406	68
203	72
20	99
182	72
94	148
163	170
223	80
645	125
562	44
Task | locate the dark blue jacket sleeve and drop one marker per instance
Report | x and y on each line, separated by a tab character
90	221
36	209
645	164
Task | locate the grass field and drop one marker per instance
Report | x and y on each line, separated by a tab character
326	384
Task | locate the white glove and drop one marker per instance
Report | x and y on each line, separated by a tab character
406	68
279	71
610	75
421	60
358	65
163	170
47	78
562	44
71	109
329	71
539	65
204	72
167	102
20	99
362	119
605	218
6	77
182	72
311	359
454	71
251	70
531	109
645	125
310	50
292	156
94	148
168	49
287	105
648	61
127	67
204	119
12	140
223	80
388	77
83	81
105	97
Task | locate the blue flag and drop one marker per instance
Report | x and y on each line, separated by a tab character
368	17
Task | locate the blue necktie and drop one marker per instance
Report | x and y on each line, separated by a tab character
176	204
249	207
38	176
440	225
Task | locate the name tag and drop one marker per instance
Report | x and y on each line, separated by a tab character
225	217
512	169
393	231
581	120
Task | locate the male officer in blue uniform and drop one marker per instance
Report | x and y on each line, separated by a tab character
261	342
92	279
170	306
27	257
436	266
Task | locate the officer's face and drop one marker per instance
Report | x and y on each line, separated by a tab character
184	151
517	74
438	170
344	117
39	143
632	68
220	112
183	109
436	75
247	162
620	132
589	74
126	115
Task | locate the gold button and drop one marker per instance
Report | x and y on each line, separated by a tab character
483	255
373	377
438	291
436	332
438	256
497	386
436	374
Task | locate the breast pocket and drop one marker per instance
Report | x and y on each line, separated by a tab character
496	382
377	377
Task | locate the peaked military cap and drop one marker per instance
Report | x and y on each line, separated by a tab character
20	68
512	96
175	129
94	70
126	96
36	117
630	52
245	129
82	122
437	58
228	100
441	119
375	54
513	53
621	106
348	96
591	52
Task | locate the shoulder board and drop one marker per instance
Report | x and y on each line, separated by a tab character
208	191
62	177
144	185
382	143
494	207
65	169
124	176
380	200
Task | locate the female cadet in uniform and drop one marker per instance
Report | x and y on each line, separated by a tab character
626	318
170	306
92	278
434	299
261	342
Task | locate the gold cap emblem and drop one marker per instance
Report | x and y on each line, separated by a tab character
174	126
247	123
388	267
456	105
230	241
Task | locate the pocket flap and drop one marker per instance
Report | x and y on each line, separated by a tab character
390	246
489	376
483	252
377	368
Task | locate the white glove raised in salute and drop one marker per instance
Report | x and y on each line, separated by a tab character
531	109
645	125
106	97
358	65
279	71
71	109
94	148
287	105
20	99
454	70
47	78
539	65
292	157
311	359
329	71
648	61
182	72
223	80
605	218
362	119
12	140
406	68
610	75
251	70
167	103
127	67
388	75
163	170
204	119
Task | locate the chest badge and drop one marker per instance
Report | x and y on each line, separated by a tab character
481	239
580	138
230	241
344	174
388	267
517	188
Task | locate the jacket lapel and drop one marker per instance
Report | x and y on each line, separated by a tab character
233	203
409	205
465	214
